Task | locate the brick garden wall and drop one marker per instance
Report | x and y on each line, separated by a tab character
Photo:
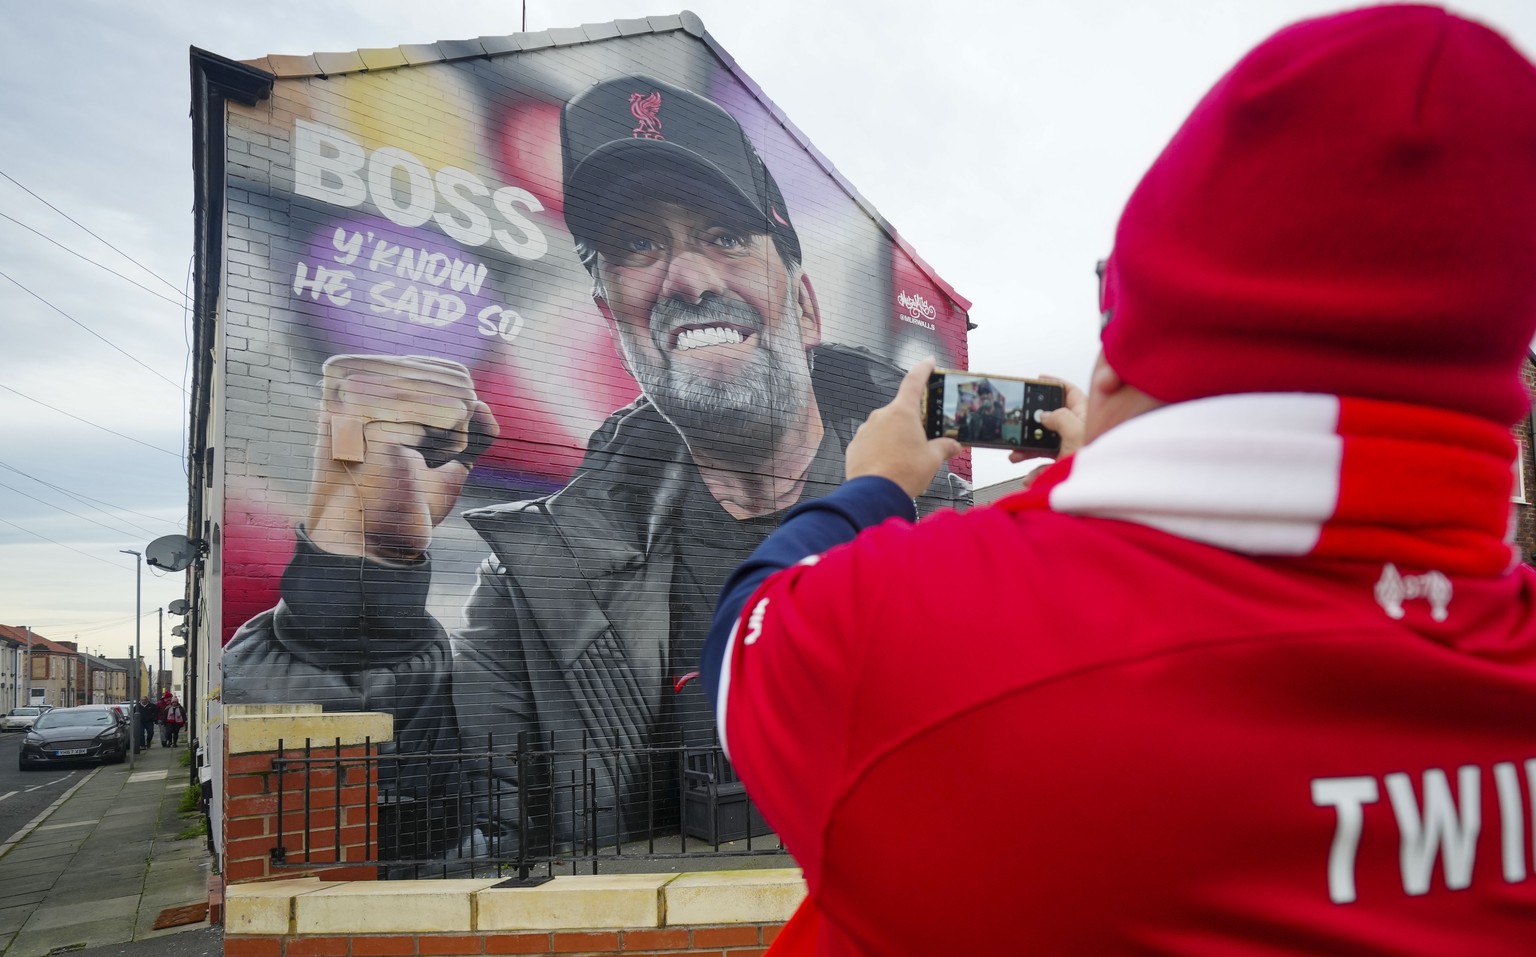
740	940
331	910
341	811
736	913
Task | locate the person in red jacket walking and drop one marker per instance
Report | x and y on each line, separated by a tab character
161	703
172	716
1253	670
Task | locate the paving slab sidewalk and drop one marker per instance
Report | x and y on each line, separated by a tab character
103	863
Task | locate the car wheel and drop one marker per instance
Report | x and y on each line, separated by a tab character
22	765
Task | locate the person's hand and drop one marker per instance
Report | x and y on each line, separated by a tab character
892	443
1066	422
397	440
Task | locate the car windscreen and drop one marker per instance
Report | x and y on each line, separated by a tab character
78	719
24	712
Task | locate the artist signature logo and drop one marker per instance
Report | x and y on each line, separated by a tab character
918	307
646	108
920	311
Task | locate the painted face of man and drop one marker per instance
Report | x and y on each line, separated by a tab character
712	322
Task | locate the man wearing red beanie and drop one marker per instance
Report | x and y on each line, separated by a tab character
1254	670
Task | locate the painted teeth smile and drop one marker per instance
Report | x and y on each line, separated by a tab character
708	336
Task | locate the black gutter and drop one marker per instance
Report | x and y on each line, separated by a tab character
215	80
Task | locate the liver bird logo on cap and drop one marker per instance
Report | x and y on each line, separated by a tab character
646	108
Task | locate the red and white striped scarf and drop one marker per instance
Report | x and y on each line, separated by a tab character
1304	475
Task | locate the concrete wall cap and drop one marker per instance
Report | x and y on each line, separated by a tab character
389	907
260	733
457	906
464	886
285	887
245	710
753	877
264	907
574	902
734	897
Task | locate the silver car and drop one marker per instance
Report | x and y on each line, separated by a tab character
20	719
120	711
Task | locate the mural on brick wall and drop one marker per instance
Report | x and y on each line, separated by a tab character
522	356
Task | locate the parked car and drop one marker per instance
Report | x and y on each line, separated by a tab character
87	733
19	719
120	710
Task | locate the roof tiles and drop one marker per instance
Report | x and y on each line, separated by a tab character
331	64
284	65
444	51
376	58
418	53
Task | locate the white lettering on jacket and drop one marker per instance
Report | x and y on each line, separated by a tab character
755	623
1394	588
1431	823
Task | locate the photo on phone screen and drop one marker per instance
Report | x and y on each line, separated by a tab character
990	411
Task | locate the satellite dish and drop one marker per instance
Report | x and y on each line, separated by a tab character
180	631
170	552
178	651
177	607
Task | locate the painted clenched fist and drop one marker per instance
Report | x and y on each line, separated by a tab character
398	437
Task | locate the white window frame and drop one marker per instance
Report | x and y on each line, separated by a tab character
1519	496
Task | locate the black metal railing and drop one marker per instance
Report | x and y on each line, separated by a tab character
524	812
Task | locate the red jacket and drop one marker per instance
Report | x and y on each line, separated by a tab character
1032	728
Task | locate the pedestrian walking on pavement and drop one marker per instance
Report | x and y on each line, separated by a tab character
163	702
147	714
173	716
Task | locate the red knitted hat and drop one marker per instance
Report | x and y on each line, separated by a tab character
1351	210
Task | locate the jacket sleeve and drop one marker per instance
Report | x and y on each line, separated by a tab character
784	653
350	635
807	530
354	635
496	713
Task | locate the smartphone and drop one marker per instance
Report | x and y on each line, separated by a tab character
992	411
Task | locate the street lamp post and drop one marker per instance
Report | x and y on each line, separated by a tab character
138	594
29	666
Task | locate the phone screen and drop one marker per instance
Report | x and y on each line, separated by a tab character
1001	412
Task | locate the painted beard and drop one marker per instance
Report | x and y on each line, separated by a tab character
740	416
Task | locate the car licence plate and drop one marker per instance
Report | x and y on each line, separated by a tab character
70	753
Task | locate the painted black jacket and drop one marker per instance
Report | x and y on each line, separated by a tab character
566	643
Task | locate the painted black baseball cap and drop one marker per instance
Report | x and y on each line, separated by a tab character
619	127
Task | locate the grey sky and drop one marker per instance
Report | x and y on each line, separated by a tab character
1000	138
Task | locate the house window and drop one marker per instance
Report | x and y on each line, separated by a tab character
1519	495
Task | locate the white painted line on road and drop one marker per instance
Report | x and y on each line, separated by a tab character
27	828
6	795
49	784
